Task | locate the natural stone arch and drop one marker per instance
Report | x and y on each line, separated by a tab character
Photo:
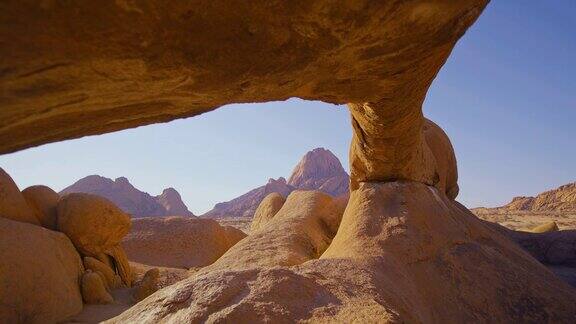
122	64
404	250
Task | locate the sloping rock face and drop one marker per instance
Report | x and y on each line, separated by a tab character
245	205
178	242
561	199
403	252
551	248
320	170
520	203
40	272
171	201
554	248
131	200
301	230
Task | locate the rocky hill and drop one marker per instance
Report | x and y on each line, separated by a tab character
318	169
131	200
524	212
560	199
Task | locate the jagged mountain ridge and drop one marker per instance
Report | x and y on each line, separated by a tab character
131	200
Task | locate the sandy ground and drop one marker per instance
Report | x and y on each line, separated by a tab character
123	296
522	220
241	223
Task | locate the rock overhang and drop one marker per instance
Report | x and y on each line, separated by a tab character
80	68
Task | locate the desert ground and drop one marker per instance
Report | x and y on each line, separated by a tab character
525	220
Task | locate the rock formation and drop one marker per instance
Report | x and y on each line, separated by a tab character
300	231
131	200
269	207
94	289
96	227
111	280
42	278
44	200
145	66
178	242
443	153
405	251
398	252
40	272
318	169
94	224
13	205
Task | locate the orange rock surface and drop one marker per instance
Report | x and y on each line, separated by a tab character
403	252
44	200
178	242
13	205
40	274
266	210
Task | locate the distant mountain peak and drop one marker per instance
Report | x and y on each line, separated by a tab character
315	165
319	169
172	202
128	198
122	180
170	191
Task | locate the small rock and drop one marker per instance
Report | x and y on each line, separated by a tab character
101	268
148	285
93	289
545	228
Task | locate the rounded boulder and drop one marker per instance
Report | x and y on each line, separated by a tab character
269	206
40	272
94	224
44	200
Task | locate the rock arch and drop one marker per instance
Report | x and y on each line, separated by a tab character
404	249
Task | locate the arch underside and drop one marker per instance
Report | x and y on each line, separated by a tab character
83	68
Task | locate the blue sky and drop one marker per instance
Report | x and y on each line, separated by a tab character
506	97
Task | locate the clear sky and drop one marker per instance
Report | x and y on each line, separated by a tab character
506	97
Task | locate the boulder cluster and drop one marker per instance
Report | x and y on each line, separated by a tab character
58	252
